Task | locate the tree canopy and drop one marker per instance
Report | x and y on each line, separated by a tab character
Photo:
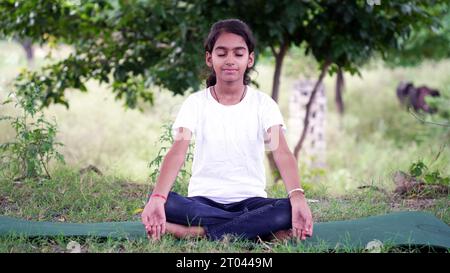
137	45
428	42
130	44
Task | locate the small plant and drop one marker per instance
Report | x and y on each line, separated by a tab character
181	182
421	171
29	154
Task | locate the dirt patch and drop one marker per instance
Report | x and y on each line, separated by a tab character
5	202
412	203
133	190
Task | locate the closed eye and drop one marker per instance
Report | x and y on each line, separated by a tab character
223	55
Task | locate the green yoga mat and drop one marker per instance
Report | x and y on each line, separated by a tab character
404	229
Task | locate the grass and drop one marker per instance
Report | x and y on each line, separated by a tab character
372	140
82	198
73	197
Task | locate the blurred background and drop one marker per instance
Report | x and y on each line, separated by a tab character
365	143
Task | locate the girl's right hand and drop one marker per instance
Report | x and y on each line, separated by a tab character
154	218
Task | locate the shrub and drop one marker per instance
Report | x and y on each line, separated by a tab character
34	145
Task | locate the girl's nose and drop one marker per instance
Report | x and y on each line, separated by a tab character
229	61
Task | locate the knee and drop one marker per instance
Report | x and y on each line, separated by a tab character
173	201
283	218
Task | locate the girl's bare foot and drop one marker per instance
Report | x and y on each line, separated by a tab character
181	231
282	235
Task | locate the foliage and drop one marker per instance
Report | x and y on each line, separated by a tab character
347	35
273	23
420	170
427	42
181	182
136	45
35	142
133	45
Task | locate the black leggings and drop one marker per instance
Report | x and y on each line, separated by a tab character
247	219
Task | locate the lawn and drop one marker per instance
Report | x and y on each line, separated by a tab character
366	146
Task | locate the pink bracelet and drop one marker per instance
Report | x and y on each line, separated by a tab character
159	195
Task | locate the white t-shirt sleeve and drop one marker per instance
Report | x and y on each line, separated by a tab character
271	115
187	116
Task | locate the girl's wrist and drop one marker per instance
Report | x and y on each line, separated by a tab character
297	197
296	190
158	198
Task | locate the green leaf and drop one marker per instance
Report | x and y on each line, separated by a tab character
417	169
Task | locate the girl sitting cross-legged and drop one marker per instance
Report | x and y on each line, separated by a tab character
233	124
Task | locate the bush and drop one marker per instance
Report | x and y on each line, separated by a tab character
181	182
421	171
29	154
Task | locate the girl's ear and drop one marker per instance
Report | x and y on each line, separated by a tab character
251	59
208	59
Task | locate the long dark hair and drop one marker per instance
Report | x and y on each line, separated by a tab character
234	26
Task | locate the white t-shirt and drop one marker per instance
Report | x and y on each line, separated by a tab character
228	163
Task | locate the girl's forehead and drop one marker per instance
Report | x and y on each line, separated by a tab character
230	41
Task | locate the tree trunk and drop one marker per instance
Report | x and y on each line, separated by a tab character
308	109
279	57
339	90
27	45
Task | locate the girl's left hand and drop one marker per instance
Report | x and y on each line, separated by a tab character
302	221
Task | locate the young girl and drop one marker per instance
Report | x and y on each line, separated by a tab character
232	124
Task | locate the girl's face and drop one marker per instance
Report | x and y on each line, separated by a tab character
230	58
